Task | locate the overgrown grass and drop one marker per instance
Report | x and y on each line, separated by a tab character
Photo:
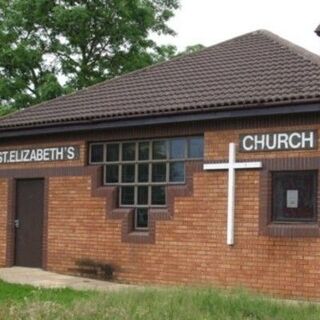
25	302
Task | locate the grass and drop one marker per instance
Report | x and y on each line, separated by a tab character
26	302
16	293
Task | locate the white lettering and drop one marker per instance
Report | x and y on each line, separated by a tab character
33	155
39	154
259	142
278	141
71	153
46	154
12	156
26	154
308	142
5	155
282	141
59	154
18	158
274	141
244	143
298	138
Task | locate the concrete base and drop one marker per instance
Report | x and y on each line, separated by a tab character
45	279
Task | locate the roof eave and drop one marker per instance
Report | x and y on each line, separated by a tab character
159	120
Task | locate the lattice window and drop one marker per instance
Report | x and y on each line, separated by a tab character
143	169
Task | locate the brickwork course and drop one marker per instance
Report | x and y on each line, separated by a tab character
187	244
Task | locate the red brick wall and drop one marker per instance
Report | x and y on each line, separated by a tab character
191	246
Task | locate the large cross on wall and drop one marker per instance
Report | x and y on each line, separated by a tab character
232	166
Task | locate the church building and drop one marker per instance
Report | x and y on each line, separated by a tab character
202	170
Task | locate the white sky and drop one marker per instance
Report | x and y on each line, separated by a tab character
211	21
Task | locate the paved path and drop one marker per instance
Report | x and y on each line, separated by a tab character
45	279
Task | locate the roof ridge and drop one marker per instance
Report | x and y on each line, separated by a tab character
294	48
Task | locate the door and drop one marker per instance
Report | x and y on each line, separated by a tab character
29	222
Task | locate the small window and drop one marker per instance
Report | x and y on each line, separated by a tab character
177	148
195	148
294	195
141	218
143	172
158	195
112	173
159	150
143	195
112	152
177	171
128	151
96	153
128	172
159	172
127	196
144	151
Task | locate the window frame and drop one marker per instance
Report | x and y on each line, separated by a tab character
135	221
150	161
285	230
90	153
135	202
314	218
136	162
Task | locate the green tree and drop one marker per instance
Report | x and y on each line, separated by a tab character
81	41
26	76
192	49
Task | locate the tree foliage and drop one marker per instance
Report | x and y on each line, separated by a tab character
80	41
194	48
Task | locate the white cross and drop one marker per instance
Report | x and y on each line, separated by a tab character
231	166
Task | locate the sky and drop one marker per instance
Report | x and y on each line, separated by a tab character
212	21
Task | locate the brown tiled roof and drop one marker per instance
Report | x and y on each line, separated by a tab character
255	69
